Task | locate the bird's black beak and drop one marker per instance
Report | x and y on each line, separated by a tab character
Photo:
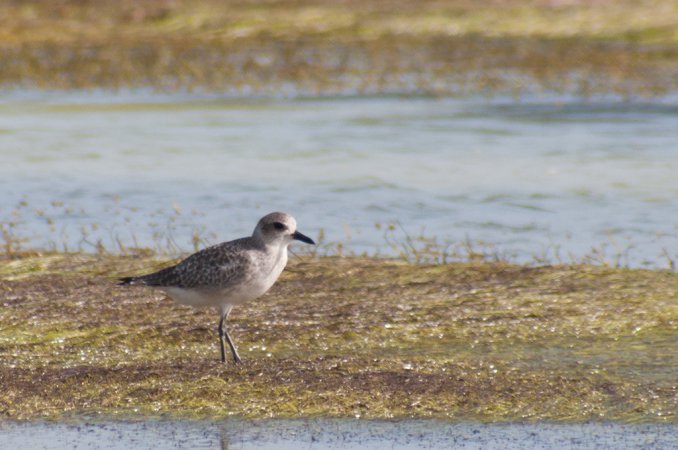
303	238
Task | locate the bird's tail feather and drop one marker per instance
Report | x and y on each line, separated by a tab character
126	281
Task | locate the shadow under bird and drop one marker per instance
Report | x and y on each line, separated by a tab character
229	273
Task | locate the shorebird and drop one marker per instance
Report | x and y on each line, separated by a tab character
229	273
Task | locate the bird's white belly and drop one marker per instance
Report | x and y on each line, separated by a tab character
194	297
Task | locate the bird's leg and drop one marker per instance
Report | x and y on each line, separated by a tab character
221	339
236	357
224	336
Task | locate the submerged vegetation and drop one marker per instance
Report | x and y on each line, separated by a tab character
327	47
358	337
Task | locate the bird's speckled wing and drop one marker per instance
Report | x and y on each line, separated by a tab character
220	266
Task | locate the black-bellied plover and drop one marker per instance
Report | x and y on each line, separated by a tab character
229	273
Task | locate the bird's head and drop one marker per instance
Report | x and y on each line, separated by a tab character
279	228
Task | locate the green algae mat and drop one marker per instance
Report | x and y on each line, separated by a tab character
343	337
326	47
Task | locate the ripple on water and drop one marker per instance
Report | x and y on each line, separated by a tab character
490	170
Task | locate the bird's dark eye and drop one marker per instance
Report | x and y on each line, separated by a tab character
279	226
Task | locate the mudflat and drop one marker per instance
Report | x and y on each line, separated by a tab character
342	337
324	47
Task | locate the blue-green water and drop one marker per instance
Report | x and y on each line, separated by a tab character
558	179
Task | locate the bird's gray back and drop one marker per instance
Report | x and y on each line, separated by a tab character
215	267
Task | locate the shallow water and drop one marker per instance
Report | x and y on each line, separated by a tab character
334	434
552	178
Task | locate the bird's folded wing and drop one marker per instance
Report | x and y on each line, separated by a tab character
212	268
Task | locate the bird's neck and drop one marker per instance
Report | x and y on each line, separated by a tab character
278	256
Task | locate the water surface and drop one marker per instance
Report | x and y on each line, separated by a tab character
335	434
557	178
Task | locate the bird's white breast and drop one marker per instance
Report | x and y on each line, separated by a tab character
267	274
264	273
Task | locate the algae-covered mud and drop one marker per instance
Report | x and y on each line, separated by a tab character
327	47
343	337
